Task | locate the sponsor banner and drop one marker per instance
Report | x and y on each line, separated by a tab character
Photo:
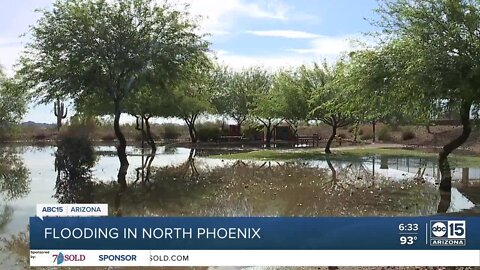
138	258
72	210
89	258
255	233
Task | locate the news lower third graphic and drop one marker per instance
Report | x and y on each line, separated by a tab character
84	235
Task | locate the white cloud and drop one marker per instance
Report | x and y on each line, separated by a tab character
219	16
10	49
328	46
322	48
284	34
271	62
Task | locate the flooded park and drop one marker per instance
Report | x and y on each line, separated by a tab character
240	108
178	181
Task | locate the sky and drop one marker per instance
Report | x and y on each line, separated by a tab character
271	33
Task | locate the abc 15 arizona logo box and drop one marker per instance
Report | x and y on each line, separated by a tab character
448	233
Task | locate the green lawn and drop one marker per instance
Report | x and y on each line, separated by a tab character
311	154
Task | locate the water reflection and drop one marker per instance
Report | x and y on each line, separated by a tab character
14	183
6	215
270	189
14	176
143	172
180	182
74	160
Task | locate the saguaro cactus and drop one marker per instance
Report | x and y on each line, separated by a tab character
60	112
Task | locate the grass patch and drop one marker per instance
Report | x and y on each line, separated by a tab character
464	161
318	154
273	155
389	152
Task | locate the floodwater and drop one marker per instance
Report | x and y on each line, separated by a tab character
186	182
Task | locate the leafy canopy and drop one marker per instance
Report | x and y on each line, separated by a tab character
98	49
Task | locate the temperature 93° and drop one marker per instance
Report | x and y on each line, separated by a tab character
408	233
408	239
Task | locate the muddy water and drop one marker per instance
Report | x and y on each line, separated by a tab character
177	182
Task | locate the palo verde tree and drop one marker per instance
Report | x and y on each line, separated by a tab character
265	106
233	95
89	49
13	101
368	80
292	100
329	99
144	104
435	45
192	95
364	78
268	112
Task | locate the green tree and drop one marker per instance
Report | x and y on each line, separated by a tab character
292	100
192	97
233	95
13	101
433	51
329	99
97	49
369	82
74	160
144	104
268	112
265	107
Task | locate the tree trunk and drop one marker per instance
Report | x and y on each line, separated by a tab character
444	204
192	132
334	172
150	158
121	148
373	130
332	136
428	128
355	132
149	136
239	124
446	180
268	137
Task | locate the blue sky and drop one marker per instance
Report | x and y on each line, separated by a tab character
270	33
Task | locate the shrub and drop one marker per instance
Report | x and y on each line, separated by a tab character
7	133
171	132
342	135
366	136
252	133
407	135
75	149
208	132
360	132
384	134
40	136
79	121
138	136
395	127
108	137
80	131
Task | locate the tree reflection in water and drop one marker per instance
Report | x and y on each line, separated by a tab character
14	176
14	183
445	195
272	189
144	171
74	160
